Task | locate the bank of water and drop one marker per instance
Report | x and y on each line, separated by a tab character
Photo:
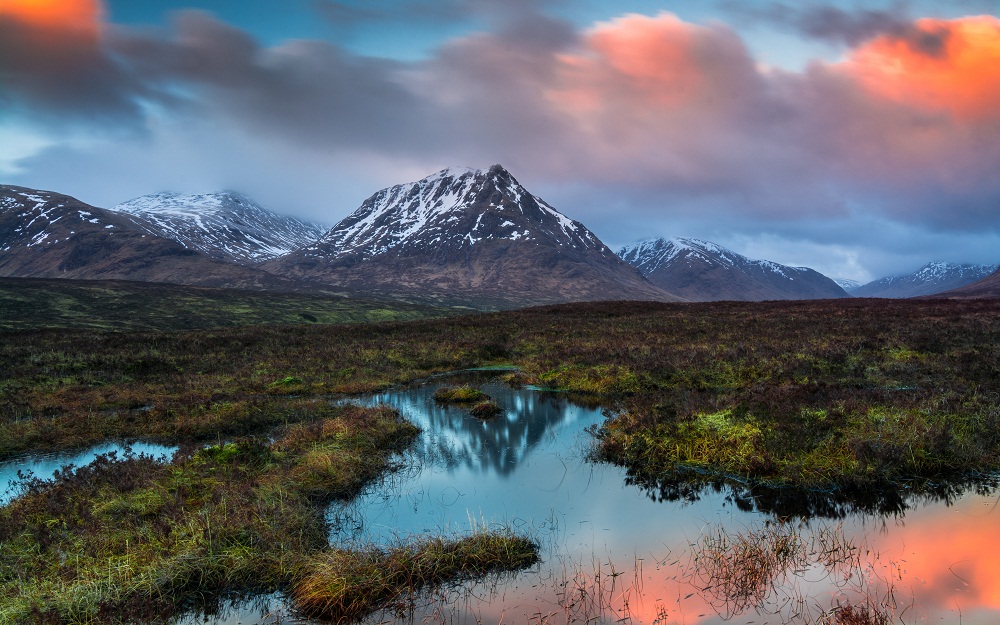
44	466
610	553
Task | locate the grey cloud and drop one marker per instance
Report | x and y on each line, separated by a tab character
833	24
62	76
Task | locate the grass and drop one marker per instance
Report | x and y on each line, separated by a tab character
760	568
459	395
128	539
486	410
347	584
28	303
838	398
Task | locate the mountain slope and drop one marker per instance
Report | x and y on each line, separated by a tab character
847	284
476	234
935	277
50	235
702	271
227	225
988	287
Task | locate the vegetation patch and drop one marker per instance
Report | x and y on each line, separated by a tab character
459	395
343	585
486	410
175	421
833	398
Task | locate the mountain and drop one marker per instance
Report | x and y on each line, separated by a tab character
227	225
847	284
468	233
50	235
932	278
988	287
702	271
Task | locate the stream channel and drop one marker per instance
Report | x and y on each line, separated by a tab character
611	553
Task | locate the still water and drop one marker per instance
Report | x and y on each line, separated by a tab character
610	553
44	466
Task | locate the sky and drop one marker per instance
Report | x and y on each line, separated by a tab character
859	139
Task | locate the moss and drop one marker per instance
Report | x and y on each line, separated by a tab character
459	395
486	410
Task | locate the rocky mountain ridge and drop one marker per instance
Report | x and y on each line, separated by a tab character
225	225
473	232
700	270
934	277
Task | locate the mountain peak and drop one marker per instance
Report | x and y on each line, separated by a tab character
700	270
934	277
227	225
462	230
449	211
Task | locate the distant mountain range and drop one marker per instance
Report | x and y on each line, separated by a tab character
460	236
50	235
471	233
227	225
702	271
986	287
847	285
935	277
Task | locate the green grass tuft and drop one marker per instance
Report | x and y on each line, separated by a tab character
343	585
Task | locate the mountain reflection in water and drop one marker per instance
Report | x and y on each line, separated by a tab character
619	552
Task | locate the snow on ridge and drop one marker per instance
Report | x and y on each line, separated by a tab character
650	255
228	222
427	211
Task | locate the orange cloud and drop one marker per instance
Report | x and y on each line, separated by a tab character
944	65
663	60
80	15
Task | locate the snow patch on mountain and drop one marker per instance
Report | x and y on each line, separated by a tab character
934	277
847	284
653	254
457	207
227	225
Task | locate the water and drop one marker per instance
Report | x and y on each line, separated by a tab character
44	466
610	553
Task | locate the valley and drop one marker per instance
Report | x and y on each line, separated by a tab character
790	405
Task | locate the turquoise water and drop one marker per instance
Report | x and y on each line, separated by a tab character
610	552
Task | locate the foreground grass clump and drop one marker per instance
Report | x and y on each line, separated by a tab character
345	585
792	439
486	410
459	395
132	539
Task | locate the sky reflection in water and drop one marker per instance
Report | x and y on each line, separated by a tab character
610	551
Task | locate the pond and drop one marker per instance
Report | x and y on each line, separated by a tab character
44	466
611	553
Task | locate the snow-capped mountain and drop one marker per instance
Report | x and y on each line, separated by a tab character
988	287
469	232
703	271
934	277
847	284
50	235
224	225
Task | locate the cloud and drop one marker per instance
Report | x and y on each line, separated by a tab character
53	64
833	24
639	119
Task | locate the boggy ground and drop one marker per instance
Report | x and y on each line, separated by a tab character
846	396
136	540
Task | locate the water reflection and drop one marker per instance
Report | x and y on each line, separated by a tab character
615	553
44	466
787	502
